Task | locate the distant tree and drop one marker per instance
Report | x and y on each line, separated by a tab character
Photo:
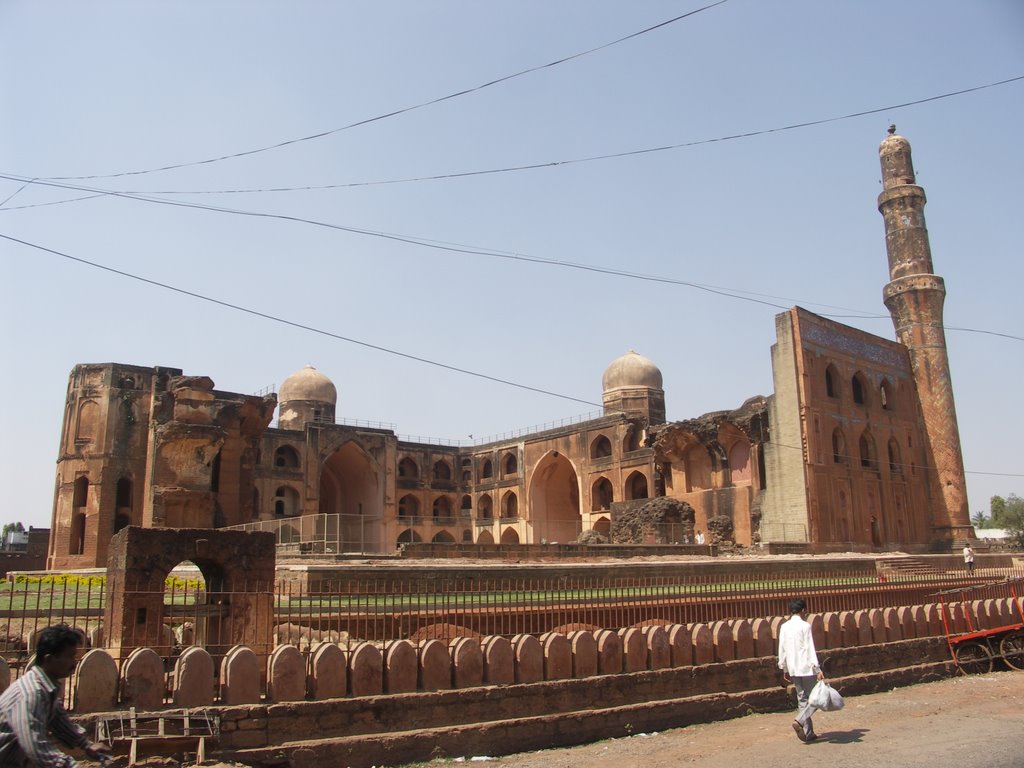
981	520
10	528
1008	514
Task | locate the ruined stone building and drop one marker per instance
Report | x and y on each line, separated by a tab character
857	446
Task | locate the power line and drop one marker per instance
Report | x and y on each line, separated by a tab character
499	254
401	111
557	163
301	326
455	247
386	350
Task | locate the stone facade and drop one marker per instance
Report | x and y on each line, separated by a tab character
857	447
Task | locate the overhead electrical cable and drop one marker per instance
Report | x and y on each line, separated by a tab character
295	324
403	110
348	339
571	161
494	253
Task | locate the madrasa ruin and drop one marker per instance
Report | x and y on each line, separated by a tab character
857	448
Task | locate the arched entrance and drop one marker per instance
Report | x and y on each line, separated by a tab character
555	500
350	488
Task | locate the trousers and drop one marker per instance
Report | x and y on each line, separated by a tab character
804	686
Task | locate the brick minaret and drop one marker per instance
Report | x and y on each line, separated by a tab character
915	297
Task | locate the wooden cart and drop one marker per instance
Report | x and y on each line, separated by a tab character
976	650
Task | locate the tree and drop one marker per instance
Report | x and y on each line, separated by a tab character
8	529
981	520
1008	514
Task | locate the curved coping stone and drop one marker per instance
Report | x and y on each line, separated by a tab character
95	682
435	666
833	630
499	667
328	672
467	662
743	639
401	667
194	679
240	677
680	645
634	650
142	680
584	653
659	654
366	669
703	647
609	652
721	638
557	656
529	659
286	675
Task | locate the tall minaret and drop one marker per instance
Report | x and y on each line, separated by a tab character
915	297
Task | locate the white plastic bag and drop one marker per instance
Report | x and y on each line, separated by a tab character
825	697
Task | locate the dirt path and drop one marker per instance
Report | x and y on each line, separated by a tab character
974	722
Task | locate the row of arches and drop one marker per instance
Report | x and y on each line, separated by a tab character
699	467
601	445
861	391
408	468
867	452
602	494
410	536
409	506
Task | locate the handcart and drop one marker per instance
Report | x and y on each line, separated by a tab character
976	650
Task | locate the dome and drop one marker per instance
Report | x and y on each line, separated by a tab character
308	384
631	370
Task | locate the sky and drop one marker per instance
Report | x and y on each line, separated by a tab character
773	219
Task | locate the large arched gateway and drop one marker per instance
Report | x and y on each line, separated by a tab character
350	488
555	500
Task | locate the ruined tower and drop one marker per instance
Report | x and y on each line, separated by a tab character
914	296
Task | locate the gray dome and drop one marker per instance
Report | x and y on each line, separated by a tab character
631	370
308	384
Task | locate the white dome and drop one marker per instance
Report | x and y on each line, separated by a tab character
308	384
631	370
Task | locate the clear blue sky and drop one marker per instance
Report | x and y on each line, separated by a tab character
102	87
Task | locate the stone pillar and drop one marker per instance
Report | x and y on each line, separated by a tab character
915	298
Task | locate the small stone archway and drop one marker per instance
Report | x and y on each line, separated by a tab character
237	566
554	500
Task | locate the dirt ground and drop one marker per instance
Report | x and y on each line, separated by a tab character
961	722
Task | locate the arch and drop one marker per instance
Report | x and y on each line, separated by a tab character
408	506
632	440
466	506
123	504
510	504
80	497
443	537
408	469
510	536
895	465
76	545
868	452
286	501
485	507
442	507
286	457
601	494
509	465
600	447
554	501
832	381
88	421
698	468
485	537
859	385
442	470
408	536
739	463
350	488
467	536
887	395
486	470
838	446
603	525
467	476
636	485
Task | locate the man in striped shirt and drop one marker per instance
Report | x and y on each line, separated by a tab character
32	706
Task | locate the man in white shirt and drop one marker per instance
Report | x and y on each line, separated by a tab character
969	558
799	662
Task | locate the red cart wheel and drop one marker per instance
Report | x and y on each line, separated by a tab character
1012	649
973	658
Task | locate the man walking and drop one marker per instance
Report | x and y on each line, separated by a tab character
32	706
799	663
969	558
